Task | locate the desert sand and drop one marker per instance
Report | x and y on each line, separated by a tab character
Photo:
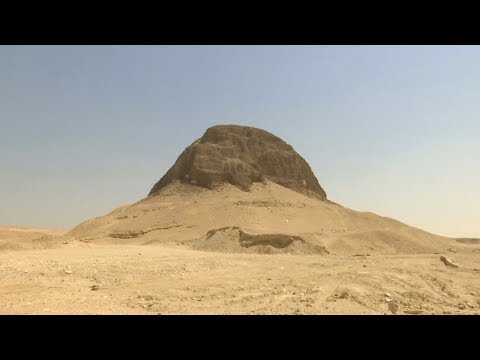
170	270
226	231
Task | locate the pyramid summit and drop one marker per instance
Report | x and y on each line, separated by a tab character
240	156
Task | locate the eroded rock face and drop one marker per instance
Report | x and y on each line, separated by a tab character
241	155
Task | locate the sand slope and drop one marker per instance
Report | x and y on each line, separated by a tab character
182	214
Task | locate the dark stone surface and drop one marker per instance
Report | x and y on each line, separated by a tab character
241	155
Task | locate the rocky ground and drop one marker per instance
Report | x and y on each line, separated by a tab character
80	278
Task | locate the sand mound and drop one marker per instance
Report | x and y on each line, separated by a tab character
235	240
241	155
181	214
23	238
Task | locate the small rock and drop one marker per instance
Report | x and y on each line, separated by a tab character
393	307
387	295
387	300
364	265
68	272
461	306
452	250
95	287
448	262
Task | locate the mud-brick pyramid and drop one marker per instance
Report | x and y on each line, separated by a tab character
241	155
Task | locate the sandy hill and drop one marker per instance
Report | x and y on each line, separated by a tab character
17	238
241	189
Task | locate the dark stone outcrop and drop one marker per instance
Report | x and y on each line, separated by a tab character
241	155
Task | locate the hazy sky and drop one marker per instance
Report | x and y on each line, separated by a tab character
390	129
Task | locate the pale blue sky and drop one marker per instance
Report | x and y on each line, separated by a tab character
389	129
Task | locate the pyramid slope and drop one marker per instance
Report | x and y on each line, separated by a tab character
181	214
